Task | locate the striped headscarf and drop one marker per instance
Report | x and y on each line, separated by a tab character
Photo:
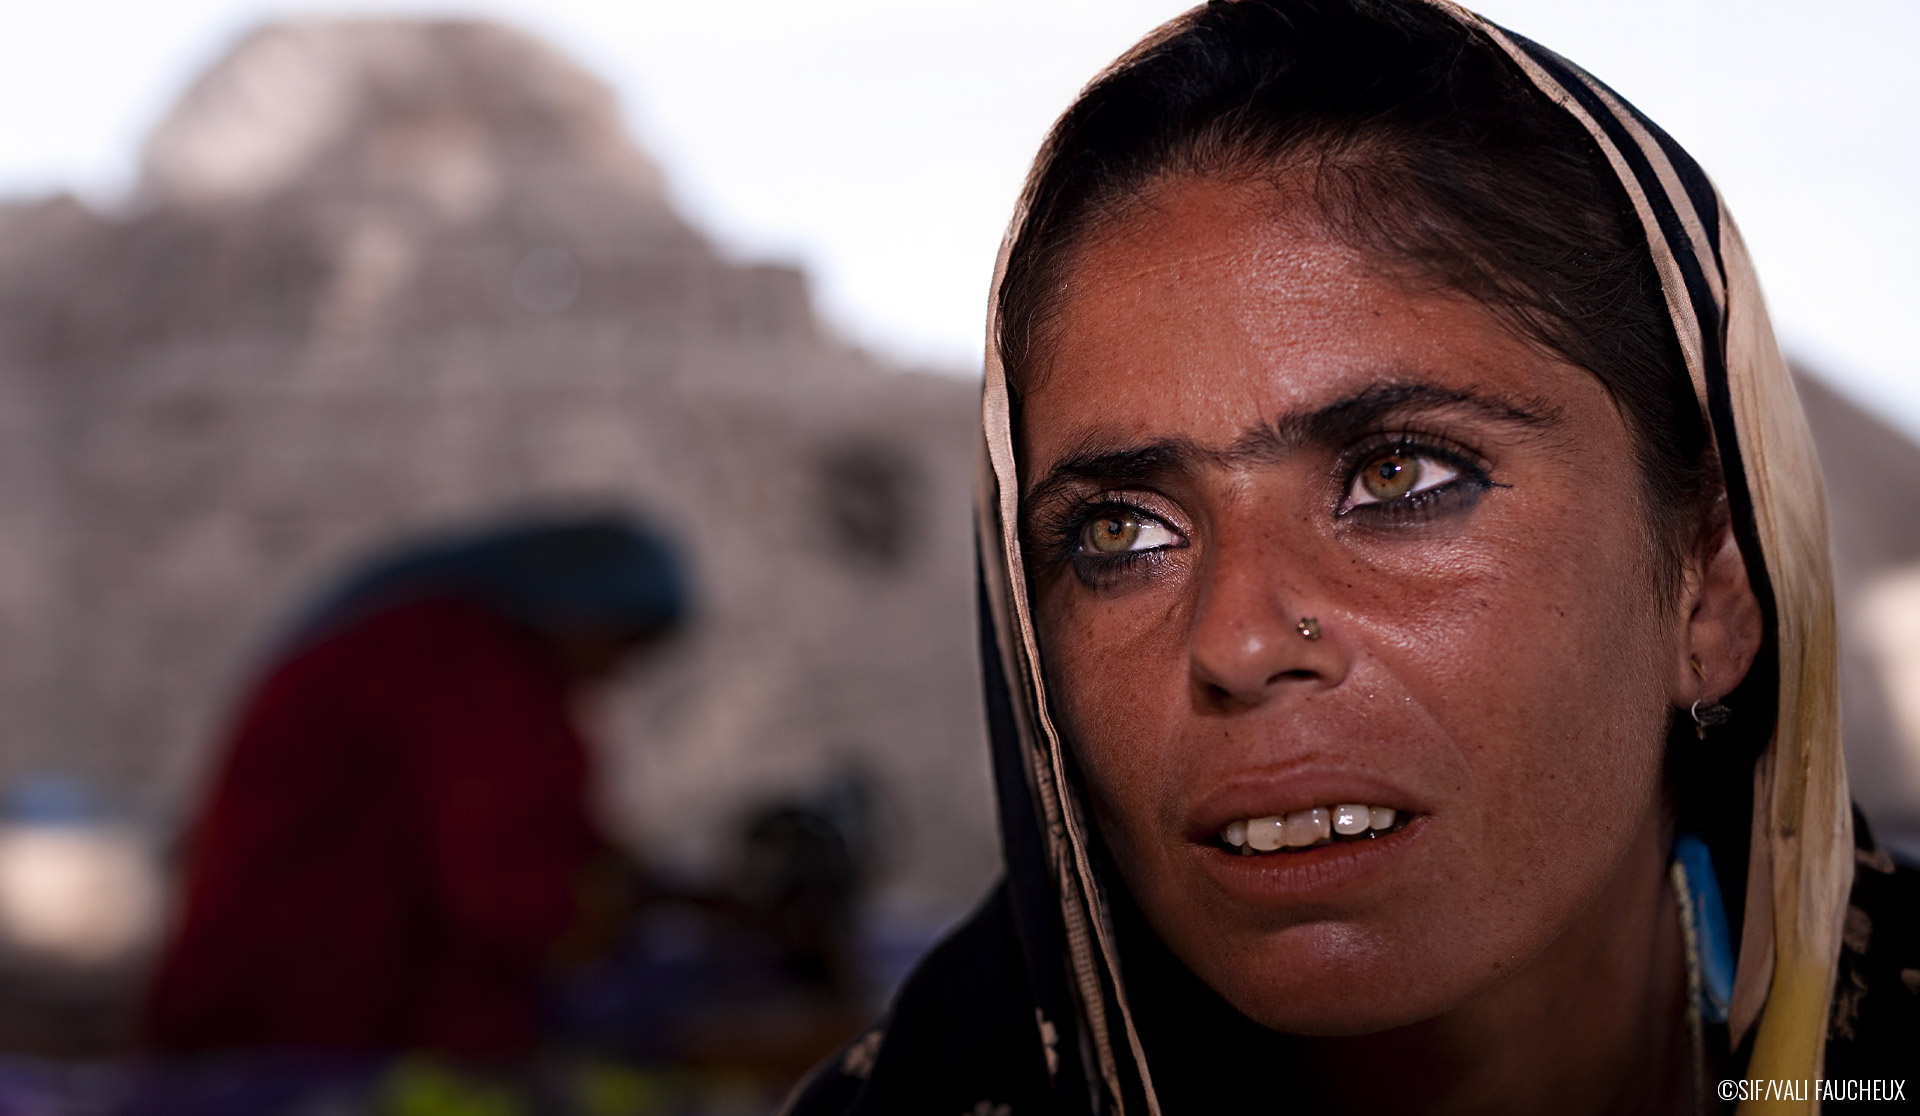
1800	853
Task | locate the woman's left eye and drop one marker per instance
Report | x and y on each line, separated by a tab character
1114	531
1398	475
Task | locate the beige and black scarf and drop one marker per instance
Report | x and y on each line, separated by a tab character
1801	850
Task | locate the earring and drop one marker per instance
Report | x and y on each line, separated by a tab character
1705	717
1308	627
1713	714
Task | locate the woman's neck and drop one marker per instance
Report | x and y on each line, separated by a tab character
1595	1024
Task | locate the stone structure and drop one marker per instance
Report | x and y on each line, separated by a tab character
382	278
1873	489
386	277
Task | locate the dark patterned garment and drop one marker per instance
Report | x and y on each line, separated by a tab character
1875	1032
961	1037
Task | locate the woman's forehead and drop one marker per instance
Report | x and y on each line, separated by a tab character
1213	311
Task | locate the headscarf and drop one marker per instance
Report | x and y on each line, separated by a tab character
600	570
1799	858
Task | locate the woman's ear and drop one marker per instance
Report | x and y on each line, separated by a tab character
1723	620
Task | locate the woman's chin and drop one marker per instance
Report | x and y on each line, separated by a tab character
1325	979
1333	1016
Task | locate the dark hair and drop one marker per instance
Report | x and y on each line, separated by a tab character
1426	148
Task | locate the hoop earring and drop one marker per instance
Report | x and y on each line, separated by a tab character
1708	716
1713	714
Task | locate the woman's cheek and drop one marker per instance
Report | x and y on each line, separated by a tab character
1117	679
1543	669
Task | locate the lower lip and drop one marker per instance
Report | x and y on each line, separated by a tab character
1280	878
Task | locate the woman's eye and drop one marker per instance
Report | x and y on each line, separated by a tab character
1115	531
1396	476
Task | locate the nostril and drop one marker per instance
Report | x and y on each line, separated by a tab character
1216	698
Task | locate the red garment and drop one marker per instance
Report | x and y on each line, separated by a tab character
390	850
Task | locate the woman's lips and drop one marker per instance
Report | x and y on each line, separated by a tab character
1279	836
1307	828
1289	792
1325	871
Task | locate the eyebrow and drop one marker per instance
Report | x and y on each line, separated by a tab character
1337	422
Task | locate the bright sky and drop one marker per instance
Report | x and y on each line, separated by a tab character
880	143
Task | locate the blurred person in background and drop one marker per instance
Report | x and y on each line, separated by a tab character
398	842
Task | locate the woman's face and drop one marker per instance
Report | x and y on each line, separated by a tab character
1241	423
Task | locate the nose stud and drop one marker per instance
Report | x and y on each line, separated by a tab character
1308	627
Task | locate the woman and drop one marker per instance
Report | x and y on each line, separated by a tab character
1411	632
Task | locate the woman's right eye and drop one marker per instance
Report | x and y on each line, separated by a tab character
1398	476
1114	531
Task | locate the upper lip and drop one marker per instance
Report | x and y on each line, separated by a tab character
1267	792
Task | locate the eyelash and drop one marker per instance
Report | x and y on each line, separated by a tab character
1061	534
1460	493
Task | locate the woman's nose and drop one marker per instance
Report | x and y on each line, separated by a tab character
1258	632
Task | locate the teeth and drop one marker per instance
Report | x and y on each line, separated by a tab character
1305	828
1308	827
1263	834
1349	820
